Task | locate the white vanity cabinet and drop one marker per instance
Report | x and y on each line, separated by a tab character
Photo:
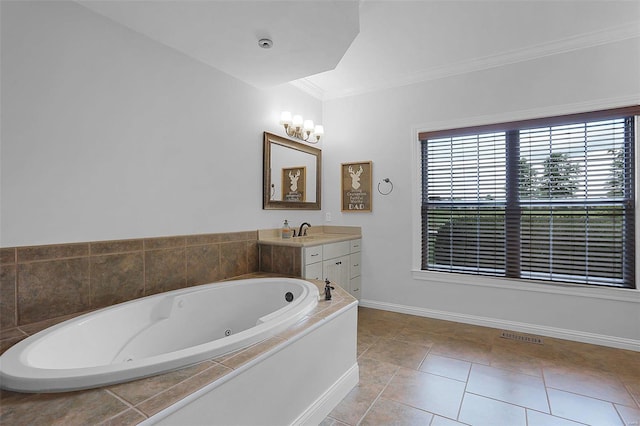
338	262
354	268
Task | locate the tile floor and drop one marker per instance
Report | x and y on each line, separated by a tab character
421	371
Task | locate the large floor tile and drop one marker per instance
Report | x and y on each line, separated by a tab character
630	416
415	335
443	421
536	418
583	409
508	386
409	355
353	407
465	350
436	394
447	367
588	382
387	412
376	372
328	421
480	411
517	356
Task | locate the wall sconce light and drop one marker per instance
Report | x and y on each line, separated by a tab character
296	126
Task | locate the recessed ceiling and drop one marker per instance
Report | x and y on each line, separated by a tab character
340	48
309	37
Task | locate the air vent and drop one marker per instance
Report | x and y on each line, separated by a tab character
526	338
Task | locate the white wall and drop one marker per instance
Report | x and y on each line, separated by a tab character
107	134
382	127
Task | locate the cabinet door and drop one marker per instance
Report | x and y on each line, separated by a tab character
337	270
354	287
313	271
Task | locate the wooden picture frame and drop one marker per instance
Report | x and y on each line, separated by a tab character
294	183
356	186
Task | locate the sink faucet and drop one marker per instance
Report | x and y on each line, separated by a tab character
300	234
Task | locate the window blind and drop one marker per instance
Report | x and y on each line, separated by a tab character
552	202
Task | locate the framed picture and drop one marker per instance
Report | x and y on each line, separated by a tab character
294	183
356	186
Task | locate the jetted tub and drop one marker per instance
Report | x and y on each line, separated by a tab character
155	334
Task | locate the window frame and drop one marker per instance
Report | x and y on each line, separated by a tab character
445	130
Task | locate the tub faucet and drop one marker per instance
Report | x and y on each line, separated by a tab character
300	234
327	289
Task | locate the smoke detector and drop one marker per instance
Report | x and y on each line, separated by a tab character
265	43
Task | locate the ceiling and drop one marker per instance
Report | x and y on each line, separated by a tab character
340	48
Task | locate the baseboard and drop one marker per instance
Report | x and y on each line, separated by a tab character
317	411
560	333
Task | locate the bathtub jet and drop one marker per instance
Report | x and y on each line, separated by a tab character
155	334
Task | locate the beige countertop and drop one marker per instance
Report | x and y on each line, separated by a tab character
316	236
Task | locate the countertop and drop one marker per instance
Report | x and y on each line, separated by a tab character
316	236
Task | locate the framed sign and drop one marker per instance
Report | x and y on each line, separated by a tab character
356	186
294	181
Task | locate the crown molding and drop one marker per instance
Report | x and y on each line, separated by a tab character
531	113
309	87
565	45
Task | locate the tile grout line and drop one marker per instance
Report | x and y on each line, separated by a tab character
378	396
464	392
546	391
127	403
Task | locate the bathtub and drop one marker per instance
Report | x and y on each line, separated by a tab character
155	334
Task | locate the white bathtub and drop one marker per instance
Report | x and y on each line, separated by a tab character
155	334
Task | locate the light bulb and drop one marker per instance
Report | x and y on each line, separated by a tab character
308	125
285	118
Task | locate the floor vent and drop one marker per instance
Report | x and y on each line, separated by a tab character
522	337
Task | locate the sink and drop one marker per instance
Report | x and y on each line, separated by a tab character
305	238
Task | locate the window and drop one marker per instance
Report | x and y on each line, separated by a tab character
543	200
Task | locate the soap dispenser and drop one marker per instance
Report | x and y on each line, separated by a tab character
286	230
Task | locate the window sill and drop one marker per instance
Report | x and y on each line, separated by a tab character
619	294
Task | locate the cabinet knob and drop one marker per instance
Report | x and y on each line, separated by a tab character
314	255
338	263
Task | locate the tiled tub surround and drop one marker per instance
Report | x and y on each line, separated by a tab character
44	282
133	402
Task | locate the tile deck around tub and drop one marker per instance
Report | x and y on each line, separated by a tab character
132	402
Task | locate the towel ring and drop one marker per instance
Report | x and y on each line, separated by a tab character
386	180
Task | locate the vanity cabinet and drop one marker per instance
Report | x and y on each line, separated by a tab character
338	262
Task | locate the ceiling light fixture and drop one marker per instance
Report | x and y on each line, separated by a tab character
296	126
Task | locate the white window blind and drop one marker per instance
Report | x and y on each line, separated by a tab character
549	202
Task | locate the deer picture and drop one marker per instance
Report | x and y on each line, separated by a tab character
355	177
294	180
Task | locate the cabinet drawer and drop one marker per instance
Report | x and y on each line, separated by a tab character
336	249
312	254
354	264
355	245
